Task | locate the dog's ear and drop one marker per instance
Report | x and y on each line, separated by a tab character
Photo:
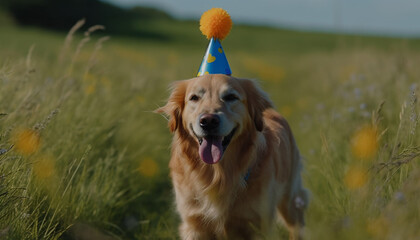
175	105
257	101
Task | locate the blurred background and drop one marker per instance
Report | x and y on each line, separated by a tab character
83	156
375	17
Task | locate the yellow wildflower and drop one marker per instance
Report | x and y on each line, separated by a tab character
378	227
302	103
355	177
148	167
89	89
90	83
286	111
88	77
365	143
44	168
27	141
263	69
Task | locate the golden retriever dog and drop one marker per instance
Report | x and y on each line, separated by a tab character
235	166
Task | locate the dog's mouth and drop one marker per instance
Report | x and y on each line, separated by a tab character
212	147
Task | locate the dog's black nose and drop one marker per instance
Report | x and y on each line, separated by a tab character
209	121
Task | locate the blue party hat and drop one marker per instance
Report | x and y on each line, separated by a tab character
215	24
214	60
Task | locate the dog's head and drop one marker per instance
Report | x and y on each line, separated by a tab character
215	110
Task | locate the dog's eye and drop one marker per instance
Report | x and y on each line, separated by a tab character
194	98
230	97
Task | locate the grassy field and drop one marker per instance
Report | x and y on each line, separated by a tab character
82	154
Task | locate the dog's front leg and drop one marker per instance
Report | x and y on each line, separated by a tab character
193	226
192	230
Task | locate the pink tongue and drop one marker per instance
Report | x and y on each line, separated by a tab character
211	149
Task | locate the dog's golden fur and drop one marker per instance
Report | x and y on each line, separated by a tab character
215	201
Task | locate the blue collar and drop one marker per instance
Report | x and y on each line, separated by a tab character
247	175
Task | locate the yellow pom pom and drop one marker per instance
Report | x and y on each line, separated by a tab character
215	23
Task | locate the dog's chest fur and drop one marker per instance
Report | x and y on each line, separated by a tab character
214	199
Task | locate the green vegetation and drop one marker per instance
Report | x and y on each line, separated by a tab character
61	15
82	152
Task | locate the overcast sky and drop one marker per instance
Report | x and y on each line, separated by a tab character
385	17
